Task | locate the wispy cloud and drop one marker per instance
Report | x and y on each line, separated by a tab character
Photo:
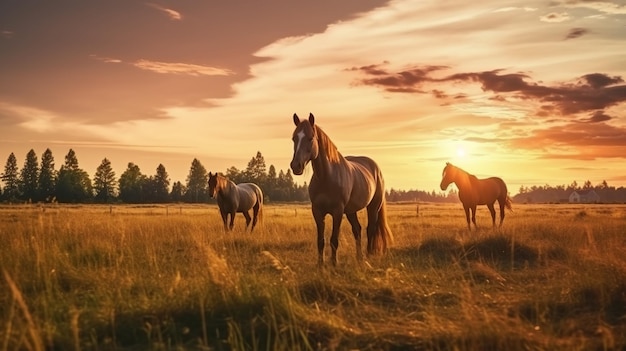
181	68
513	8
580	141
172	14
30	118
7	34
105	59
555	17
607	7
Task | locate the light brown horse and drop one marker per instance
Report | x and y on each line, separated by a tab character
340	185
233	198
474	192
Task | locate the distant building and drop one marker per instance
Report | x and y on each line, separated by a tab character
584	197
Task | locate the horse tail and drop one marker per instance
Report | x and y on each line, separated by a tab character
383	237
508	203
259	195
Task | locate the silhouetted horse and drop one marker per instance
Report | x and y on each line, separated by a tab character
233	198
474	191
340	185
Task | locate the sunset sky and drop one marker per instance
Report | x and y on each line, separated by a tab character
531	91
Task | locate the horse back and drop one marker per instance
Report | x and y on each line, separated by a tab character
492	189
366	181
249	195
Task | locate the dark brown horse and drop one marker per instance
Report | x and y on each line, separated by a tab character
474	192
341	185
233	198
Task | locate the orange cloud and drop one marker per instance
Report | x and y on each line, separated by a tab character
174	15
181	68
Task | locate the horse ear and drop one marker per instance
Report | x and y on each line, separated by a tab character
311	119
210	175
296	119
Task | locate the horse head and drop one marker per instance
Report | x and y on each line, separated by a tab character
305	143
447	176
213	184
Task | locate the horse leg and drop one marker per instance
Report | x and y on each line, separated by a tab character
356	230
474	217
318	216
248	219
467	217
334	237
232	220
372	225
255	215
493	214
224	219
502	204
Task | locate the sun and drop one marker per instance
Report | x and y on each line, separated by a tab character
460	152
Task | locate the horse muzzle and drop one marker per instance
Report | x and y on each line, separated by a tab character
297	167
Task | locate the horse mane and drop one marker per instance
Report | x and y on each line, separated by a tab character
331	150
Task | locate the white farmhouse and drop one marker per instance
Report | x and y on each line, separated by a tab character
584	197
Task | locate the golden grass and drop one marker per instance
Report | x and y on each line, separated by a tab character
168	278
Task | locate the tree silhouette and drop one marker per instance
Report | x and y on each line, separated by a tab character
73	184
197	183
161	184
29	177
10	179
178	191
131	184
104	182
256	170
47	177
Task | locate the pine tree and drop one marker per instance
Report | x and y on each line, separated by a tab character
73	183
256	169
47	177
161	185
104	182
11	179
29	177
131	184
71	161
178	191
235	175
197	183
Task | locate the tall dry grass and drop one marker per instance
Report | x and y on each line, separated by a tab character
168	278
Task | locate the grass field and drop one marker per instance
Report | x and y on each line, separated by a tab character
168	278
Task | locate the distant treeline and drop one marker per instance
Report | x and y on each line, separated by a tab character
394	195
40	182
562	193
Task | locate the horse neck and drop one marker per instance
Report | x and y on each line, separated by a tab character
328	158
462	179
226	186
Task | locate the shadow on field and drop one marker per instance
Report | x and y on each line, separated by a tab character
188	328
498	250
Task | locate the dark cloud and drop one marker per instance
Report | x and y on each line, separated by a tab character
596	117
591	92
406	81
576	33
598	80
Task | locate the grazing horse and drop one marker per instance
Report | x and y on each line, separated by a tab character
340	185
233	198
474	191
